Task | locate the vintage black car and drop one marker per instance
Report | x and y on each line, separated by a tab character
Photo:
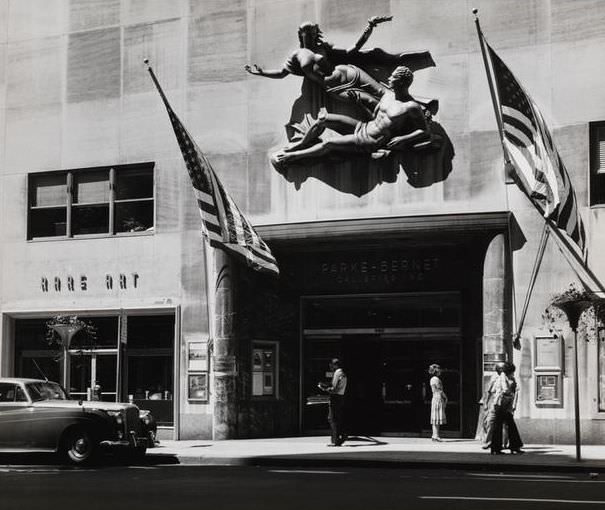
37	415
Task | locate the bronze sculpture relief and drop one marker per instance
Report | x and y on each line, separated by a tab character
360	99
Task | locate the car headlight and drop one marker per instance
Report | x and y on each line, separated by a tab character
118	418
147	420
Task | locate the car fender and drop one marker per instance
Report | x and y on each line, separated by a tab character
97	422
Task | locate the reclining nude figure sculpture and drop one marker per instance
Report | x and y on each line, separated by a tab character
399	122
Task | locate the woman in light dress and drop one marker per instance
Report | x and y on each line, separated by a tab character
438	401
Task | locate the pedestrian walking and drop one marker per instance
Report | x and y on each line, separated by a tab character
337	402
488	413
505	403
438	402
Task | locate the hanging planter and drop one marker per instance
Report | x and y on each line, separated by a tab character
582	309
61	329
576	304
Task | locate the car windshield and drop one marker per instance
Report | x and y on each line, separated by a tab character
45	391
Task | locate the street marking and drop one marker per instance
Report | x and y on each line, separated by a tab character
44	470
551	480
505	475
30	471
519	500
307	471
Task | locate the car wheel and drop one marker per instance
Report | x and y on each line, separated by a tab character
80	446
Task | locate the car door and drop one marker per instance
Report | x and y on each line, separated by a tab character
15	417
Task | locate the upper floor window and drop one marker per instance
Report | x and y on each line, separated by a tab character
93	201
597	163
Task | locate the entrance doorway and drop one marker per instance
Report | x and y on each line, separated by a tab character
88	369
388	388
388	391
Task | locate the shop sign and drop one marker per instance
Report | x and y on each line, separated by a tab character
224	364
69	283
387	270
491	359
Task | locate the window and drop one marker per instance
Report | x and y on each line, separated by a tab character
35	358
597	163
11	393
601	341
7	392
150	364
264	369
132	358
93	201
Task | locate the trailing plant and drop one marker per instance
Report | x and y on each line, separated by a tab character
590	320
86	328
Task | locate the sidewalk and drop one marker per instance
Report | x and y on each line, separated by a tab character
382	452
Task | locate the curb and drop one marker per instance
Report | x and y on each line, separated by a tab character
312	461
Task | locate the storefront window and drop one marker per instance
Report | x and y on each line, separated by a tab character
264	369
34	357
602	370
139	368
149	361
107	334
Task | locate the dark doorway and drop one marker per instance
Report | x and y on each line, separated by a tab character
388	389
361	356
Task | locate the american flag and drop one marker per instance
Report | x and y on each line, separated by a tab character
223	224
539	170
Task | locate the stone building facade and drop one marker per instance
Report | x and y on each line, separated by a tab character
390	268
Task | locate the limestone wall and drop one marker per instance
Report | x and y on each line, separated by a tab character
74	93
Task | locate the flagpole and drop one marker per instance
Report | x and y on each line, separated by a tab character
554	229
156	82
570	251
207	249
532	281
507	172
492	91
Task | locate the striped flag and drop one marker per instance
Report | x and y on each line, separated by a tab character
539	170
223	224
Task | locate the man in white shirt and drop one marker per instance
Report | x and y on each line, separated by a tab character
337	401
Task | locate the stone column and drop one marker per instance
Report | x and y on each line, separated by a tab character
497	302
226	318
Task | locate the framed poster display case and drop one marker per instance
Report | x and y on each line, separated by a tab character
548	370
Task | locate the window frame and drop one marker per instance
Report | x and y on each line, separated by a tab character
595	178
600	397
113	202
265	345
556	370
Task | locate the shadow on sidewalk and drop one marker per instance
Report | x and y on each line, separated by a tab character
364	439
482	461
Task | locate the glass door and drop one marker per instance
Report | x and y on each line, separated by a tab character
90	369
406	390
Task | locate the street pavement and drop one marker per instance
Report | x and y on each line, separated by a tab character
183	487
376	452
